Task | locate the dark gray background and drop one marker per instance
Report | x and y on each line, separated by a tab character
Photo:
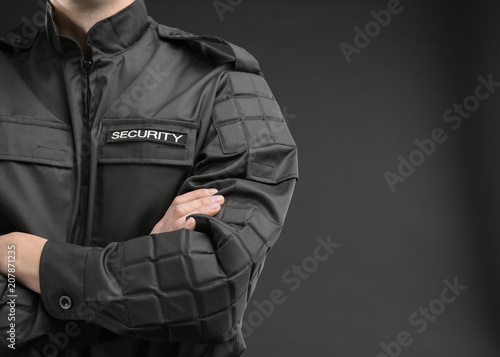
351	122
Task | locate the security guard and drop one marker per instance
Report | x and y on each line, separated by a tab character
98	139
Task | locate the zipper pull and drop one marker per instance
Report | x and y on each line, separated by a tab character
87	64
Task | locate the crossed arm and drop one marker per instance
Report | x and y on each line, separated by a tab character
195	282
29	247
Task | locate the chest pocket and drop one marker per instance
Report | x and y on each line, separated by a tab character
37	179
35	141
141	165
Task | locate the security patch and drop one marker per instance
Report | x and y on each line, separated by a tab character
152	135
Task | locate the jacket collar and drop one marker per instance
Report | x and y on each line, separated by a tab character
109	36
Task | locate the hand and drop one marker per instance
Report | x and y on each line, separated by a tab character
200	201
28	250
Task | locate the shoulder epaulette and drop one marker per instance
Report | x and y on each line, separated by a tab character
17	40
243	60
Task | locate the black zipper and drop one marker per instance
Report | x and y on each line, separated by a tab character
87	67
86	151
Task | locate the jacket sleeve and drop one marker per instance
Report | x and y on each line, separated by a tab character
191	286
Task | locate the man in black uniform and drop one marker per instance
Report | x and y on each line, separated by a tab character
107	121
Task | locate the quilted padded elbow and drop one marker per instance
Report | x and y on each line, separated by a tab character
200	279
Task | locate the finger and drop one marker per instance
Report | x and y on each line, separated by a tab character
175	218
156	227
190	224
193	206
210	210
194	195
160	228
178	224
177	211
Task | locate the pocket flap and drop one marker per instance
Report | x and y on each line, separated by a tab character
35	141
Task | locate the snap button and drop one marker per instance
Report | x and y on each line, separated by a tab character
65	302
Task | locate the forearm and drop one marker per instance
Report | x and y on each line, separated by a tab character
27	251
147	286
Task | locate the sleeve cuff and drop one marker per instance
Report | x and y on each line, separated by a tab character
62	271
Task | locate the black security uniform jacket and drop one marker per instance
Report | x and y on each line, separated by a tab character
92	154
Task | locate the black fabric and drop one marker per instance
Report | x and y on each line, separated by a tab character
108	287
244	61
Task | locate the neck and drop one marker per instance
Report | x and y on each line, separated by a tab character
75	18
